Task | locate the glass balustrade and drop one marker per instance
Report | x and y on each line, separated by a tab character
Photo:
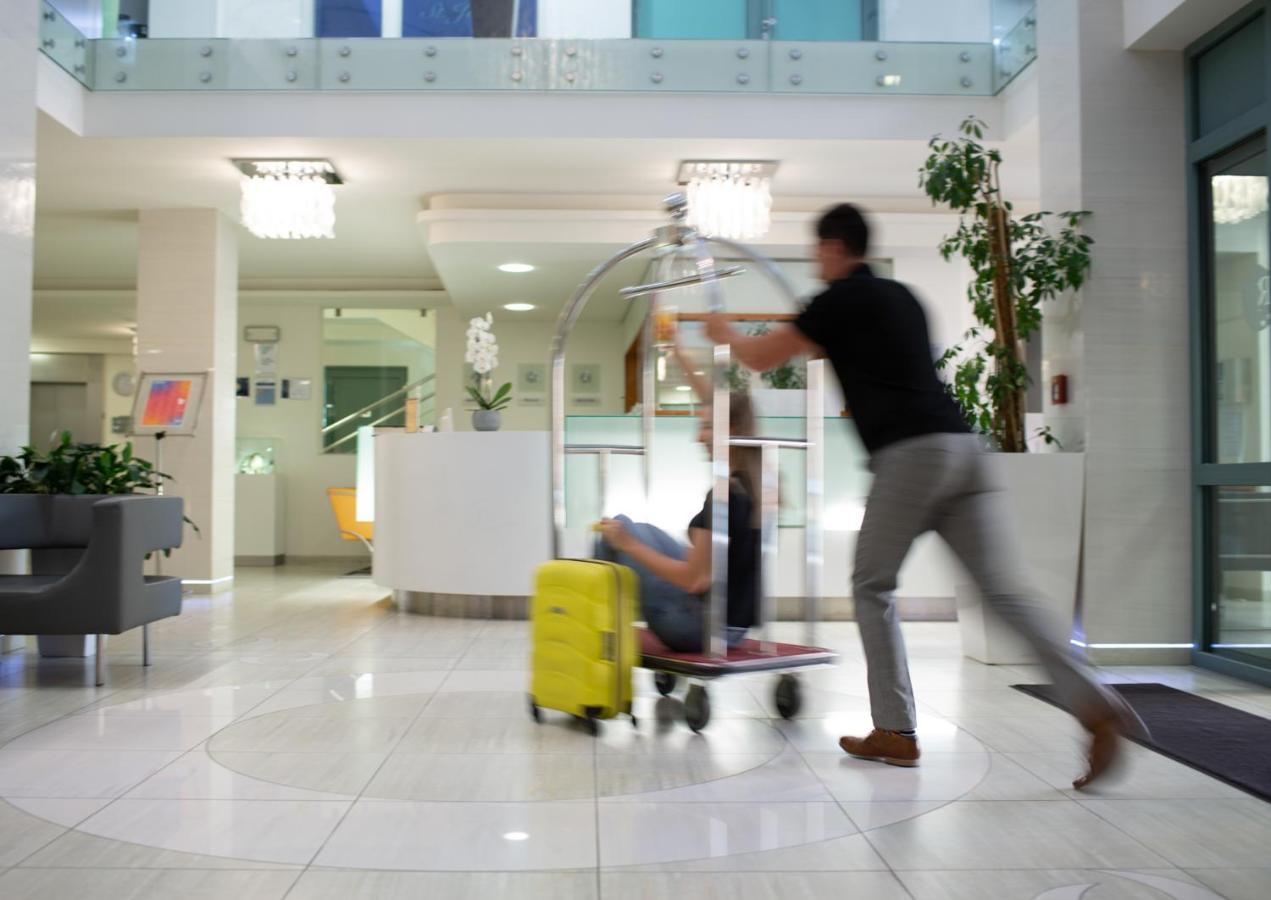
929	47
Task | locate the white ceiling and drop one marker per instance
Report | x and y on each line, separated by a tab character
90	189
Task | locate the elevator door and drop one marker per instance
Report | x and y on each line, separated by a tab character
58	407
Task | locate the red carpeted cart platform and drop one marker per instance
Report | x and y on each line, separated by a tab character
747	656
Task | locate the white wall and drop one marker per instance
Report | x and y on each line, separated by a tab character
305	470
955	21
182	19
590	19
529	342
112	403
262	18
1173	24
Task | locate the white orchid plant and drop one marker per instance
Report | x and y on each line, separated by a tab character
483	356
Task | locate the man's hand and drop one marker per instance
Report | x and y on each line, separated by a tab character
718	329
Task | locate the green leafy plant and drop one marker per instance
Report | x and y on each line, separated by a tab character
80	469
788	376
1018	262
738	378
76	468
480	393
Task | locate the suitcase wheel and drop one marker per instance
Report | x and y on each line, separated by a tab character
788	696
535	713
665	683
591	723
697	708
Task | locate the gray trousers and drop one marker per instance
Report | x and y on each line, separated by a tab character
942	483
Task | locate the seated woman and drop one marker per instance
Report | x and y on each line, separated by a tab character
675	581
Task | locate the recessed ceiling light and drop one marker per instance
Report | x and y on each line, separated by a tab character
516	836
683	387
518	307
516	268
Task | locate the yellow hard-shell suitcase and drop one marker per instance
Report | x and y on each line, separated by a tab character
584	641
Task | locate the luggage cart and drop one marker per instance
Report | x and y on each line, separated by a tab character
671	243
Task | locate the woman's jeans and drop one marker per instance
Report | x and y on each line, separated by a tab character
672	613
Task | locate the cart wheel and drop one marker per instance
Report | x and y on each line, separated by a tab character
788	696
593	726
697	708
665	683
535	713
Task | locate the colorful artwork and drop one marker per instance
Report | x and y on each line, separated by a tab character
167	403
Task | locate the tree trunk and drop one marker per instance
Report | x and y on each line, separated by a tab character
1010	402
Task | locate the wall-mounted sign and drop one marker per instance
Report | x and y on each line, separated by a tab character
262	334
584	378
266	358
266	393
531	378
297	388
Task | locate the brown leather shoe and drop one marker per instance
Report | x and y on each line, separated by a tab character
884	746
1106	731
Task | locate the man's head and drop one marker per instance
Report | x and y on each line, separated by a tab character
842	241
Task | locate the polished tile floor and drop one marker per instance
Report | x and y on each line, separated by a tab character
299	739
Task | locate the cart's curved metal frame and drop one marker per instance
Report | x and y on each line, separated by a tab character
669	241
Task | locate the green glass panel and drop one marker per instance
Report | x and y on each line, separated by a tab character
818	20
711	19
1231	78
1242	577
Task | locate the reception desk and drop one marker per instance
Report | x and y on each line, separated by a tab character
462	519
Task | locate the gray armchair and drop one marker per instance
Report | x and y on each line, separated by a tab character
88	564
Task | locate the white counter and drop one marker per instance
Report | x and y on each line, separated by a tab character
461	513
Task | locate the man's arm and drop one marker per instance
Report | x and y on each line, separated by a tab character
764	351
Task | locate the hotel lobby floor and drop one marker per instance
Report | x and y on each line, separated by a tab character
298	738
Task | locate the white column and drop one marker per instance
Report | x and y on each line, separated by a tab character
18	43
187	315
1113	141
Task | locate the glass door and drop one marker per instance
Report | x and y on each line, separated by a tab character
1237	442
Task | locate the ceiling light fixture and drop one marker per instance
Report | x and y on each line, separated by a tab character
518	307
516	268
729	199
288	199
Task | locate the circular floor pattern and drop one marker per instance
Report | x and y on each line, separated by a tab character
467	781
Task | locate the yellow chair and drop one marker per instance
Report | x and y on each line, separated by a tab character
344	505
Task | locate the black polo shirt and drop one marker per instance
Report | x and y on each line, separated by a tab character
874	332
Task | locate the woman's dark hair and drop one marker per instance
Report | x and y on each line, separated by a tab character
746	462
846	224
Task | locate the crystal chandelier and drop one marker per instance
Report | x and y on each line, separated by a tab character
1238	198
729	199
290	199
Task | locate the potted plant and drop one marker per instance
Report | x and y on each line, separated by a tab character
483	356
59	488
1018	263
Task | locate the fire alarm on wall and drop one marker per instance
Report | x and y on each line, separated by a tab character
1059	390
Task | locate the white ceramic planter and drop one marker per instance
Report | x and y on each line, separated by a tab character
1046	500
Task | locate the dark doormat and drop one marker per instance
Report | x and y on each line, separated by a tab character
1229	744
366	571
